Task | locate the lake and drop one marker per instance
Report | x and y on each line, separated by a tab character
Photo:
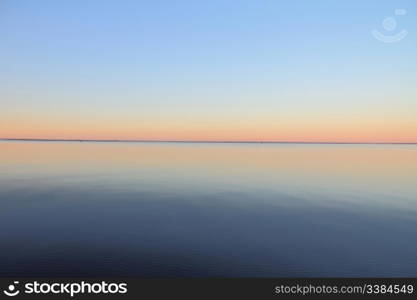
207	209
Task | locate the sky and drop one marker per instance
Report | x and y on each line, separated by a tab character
215	70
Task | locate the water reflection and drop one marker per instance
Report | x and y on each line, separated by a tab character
178	209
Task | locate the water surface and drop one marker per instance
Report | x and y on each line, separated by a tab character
207	209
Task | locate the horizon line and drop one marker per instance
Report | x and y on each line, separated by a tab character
200	141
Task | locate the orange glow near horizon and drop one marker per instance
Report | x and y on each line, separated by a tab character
367	131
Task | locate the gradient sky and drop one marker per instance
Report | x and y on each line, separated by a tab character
207	70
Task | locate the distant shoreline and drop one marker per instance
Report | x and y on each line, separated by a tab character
203	141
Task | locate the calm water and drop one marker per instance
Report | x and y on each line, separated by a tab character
178	209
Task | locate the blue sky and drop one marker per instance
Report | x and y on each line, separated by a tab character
167	66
